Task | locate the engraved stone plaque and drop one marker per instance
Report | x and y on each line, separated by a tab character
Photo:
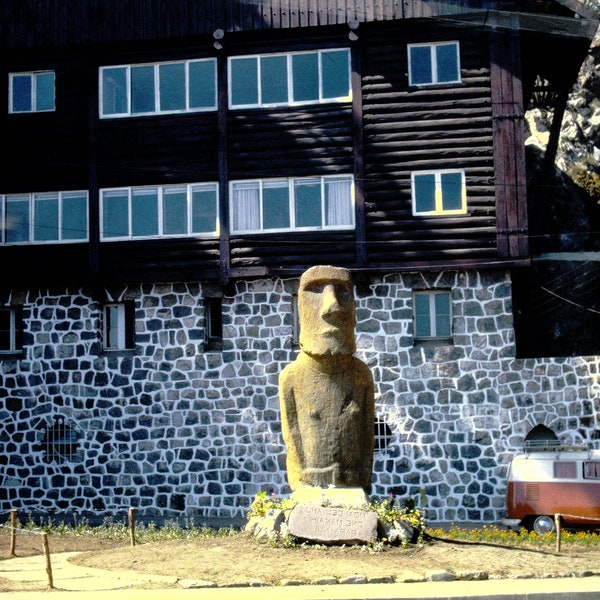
333	525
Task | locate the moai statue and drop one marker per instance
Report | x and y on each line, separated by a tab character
326	394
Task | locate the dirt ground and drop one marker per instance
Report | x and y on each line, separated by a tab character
241	558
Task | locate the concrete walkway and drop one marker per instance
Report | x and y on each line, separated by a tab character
72	581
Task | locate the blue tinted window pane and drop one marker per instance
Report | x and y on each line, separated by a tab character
305	70
244	81
115	214
204	210
336	74
172	86
202	87
442	315
74	217
114	91
307	196
273	79
175	212
452	191
276	207
142	89
420	65
17	219
447	62
44	91
144	213
45	220
424	193
422	316
21	93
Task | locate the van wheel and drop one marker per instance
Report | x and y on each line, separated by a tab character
543	525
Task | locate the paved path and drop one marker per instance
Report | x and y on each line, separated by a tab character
73	582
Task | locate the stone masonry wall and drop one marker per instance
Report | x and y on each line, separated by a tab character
174	430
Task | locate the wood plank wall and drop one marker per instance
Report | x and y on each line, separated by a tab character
404	129
32	23
409	130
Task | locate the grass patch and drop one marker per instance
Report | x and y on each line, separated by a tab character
116	531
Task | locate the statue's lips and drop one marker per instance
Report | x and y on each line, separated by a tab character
331	331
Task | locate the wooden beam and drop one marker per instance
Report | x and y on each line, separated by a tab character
222	160
509	146
359	162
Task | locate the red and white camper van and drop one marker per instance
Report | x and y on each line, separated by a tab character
546	481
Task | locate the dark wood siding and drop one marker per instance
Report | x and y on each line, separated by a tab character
35	23
290	143
45	265
48	150
159	260
409	129
389	130
293	252
158	150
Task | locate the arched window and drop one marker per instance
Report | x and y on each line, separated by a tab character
541	437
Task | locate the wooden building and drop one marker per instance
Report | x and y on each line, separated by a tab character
221	143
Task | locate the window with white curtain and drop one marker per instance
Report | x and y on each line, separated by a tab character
307	203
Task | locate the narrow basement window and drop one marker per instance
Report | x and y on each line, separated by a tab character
214	324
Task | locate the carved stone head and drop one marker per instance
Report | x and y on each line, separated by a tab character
327	312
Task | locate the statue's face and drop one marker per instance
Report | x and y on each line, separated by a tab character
327	312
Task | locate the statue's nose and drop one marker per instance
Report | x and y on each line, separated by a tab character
331	305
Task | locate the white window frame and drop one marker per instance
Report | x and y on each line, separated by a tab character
434	65
261	184
432	312
34	75
290	80
15	331
157	110
61	198
439	197
160	190
120	335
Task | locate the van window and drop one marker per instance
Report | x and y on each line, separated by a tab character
565	470
591	470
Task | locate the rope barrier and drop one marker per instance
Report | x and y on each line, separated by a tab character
21	530
13	528
558	524
45	548
580	517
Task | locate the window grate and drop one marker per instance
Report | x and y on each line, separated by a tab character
60	442
383	436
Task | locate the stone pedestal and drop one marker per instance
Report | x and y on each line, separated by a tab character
329	525
332	516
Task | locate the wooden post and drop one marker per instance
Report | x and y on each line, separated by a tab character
132	525
13	531
48	563
558	531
